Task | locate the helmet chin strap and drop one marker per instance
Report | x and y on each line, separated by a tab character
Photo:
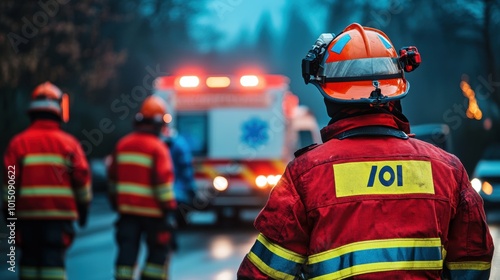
376	96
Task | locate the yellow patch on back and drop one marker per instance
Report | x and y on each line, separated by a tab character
383	177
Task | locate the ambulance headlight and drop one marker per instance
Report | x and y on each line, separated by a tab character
273	179
476	184
261	181
220	183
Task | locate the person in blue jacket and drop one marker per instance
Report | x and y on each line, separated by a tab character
184	185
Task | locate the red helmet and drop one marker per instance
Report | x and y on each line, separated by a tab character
47	97
153	110
360	65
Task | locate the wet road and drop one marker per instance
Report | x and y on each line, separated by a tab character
206	252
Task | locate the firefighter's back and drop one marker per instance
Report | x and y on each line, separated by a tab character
45	154
387	199
135	155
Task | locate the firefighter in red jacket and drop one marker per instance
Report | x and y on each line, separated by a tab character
141	175
370	202
47	179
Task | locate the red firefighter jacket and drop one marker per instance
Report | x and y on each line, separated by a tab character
371	207
142	177
46	174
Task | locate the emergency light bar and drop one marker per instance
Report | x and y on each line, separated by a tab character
249	81
192	82
189	81
218	82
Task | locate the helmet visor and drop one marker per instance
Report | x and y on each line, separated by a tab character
364	67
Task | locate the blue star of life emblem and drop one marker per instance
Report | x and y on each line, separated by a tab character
255	132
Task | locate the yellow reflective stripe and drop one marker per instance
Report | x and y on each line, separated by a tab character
135	158
123	271
468	265
269	271
46	213
49	159
140	210
275	260
154	271
374	244
377	255
37	191
52	273
164	192
383	266
280	251
134	189
28	272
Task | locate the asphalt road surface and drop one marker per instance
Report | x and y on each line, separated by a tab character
206	251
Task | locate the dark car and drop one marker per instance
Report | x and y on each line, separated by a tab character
486	176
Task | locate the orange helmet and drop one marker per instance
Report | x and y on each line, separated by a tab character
153	110
360	65
47	97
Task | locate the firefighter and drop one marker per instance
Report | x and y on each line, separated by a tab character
184	185
370	202
141	176
49	185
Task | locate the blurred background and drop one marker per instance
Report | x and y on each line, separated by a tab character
98	51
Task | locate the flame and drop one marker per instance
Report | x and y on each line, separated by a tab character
473	112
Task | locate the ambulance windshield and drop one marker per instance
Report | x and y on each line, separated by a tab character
193	128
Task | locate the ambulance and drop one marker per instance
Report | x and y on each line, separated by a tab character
242	129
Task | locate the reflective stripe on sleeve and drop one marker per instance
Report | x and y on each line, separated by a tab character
375	256
468	265
164	192
274	260
469	270
84	194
